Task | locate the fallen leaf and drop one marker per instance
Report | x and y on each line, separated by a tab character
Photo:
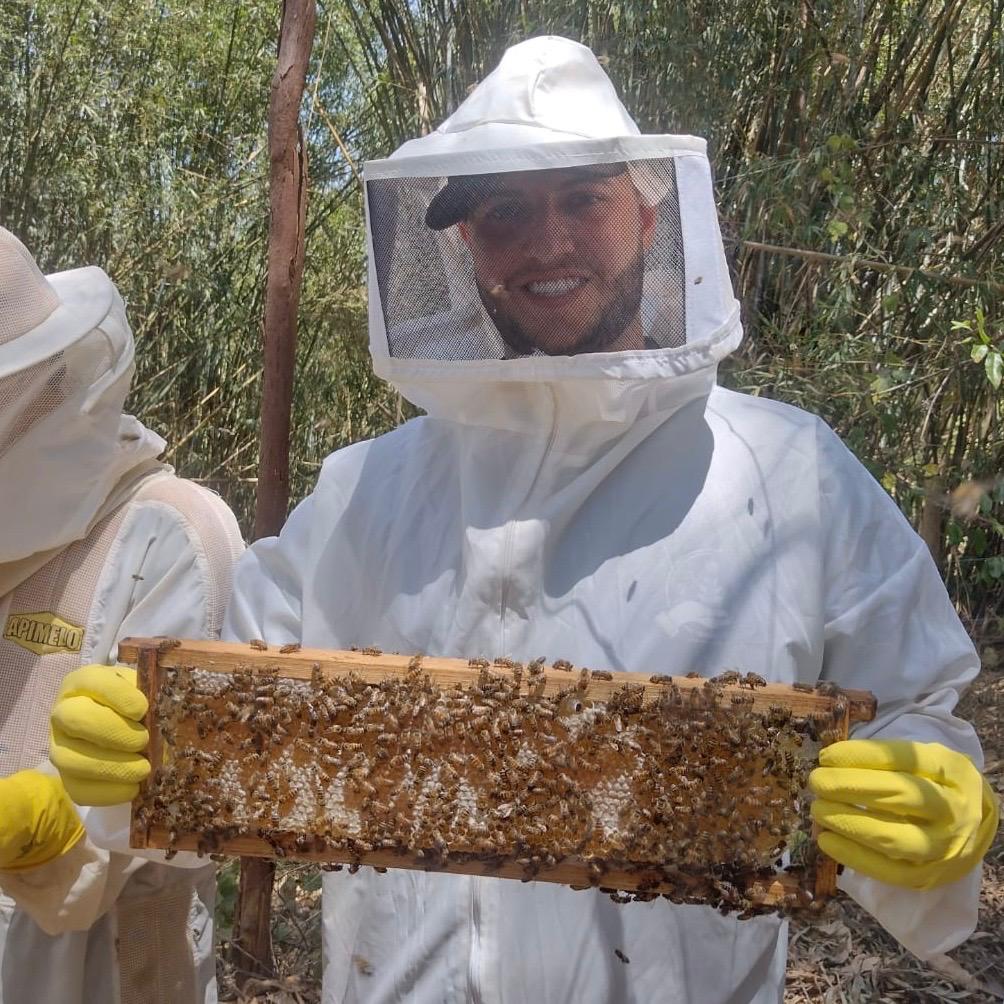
957	973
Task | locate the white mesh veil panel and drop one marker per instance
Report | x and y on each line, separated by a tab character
26	299
556	261
155	948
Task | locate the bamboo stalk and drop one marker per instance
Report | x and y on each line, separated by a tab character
873	266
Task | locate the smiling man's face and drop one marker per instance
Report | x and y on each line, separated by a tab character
559	258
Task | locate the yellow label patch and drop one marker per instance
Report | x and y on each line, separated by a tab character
43	633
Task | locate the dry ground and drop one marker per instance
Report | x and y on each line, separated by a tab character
840	957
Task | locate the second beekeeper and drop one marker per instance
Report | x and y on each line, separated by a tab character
98	541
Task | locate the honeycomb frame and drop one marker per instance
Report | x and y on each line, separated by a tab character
641	785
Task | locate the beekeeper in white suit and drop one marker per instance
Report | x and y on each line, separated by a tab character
550	287
98	540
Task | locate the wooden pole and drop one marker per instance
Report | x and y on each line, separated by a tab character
287	215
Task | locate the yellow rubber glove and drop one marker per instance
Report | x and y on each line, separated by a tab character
911	814
96	738
37	820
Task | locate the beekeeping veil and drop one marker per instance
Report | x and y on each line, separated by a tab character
536	236
68	455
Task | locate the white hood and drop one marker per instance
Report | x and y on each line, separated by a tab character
67	453
548	105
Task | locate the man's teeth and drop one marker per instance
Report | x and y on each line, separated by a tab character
554	287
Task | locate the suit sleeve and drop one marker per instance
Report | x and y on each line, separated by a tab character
891	628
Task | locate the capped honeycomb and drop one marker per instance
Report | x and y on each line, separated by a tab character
641	785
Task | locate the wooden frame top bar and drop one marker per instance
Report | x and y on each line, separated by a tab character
373	666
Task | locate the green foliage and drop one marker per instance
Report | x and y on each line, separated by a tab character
227	882
984	350
134	137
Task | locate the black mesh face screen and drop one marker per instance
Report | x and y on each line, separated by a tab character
35	393
555	262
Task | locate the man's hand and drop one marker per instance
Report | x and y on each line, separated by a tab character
37	820
97	737
911	814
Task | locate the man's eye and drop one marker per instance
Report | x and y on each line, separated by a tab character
578	201
505	212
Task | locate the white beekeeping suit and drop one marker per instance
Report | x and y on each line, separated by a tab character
581	489
98	541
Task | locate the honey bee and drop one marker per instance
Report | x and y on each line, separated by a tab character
602	674
371	651
693	675
620	955
258	645
661	678
805	688
290	648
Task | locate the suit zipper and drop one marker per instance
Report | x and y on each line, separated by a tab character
510	527
474	962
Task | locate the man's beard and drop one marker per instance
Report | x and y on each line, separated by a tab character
617	316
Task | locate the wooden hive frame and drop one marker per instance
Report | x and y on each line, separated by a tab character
534	753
